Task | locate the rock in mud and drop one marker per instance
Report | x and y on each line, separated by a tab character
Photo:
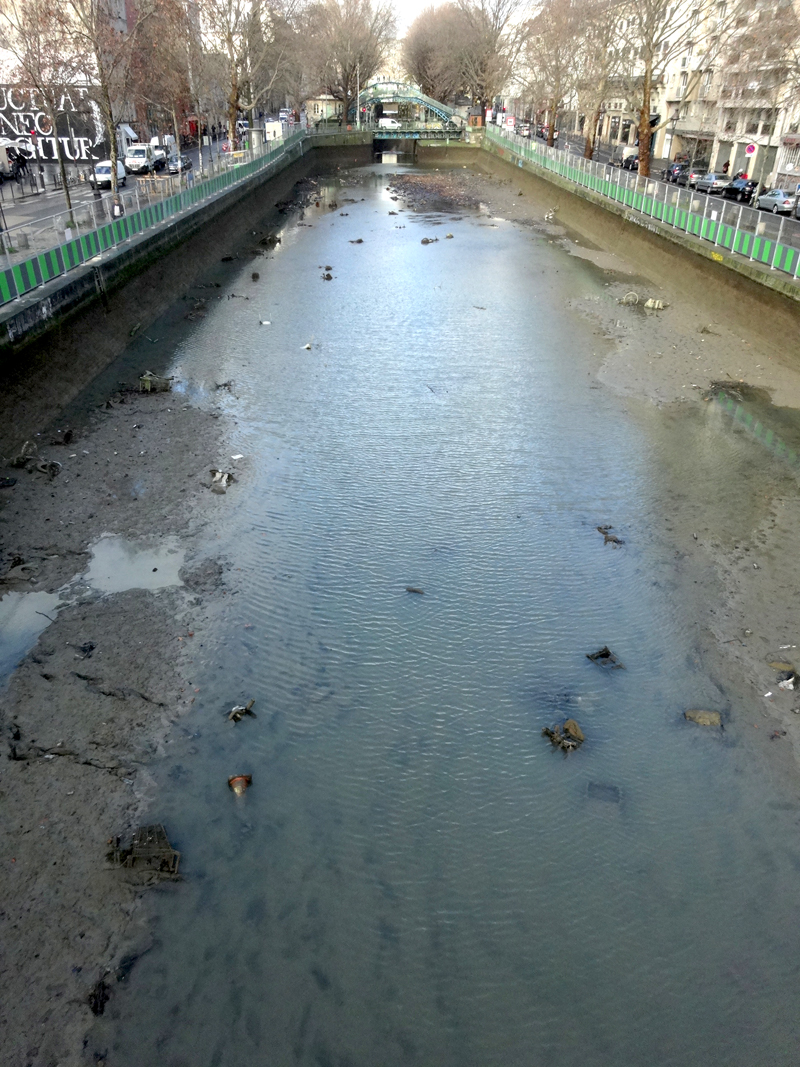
568	738
704	718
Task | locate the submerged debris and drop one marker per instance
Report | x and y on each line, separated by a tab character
221	480
605	658
238	713
629	300
655	305
569	737
153	383
428	240
704	718
51	468
608	537
150	850
601	791
239	783
98	997
414	589
358	241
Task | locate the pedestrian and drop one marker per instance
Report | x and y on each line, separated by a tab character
117	209
726	166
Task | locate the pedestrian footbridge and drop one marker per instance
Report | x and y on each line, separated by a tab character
413	106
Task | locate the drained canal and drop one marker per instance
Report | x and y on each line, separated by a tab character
415	875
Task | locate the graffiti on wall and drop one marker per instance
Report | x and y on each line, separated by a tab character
80	128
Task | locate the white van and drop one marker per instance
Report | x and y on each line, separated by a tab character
389	124
140	158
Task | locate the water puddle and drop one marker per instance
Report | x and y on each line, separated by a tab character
118	565
23	616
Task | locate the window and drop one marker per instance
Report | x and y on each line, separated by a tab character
684	81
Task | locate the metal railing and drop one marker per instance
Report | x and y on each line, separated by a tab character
770	240
34	253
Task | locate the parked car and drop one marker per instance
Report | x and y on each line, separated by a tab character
102	174
524	130
331	120
140	158
691	175
179	164
740	189
673	170
389	124
778	201
631	162
711	183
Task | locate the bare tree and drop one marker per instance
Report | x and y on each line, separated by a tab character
103	43
490	45
347	41
661	31
258	42
43	60
432	51
602	65
550	56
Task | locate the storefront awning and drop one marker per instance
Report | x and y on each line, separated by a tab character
126	131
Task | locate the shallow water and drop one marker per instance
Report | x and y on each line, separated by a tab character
118	564
415	876
23	616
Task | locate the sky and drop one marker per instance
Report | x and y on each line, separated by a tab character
407	11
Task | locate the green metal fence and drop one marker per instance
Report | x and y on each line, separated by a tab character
727	225
21	278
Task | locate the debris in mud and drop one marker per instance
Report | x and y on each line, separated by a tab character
224	385
358	241
392	212
65	439
149	850
655	305
26	453
327	277
86	650
239	783
568	738
776	734
98	997
220	480
780	665
704	718
51	467
788	679
414	589
707	329
429	240
154	383
611	794
264	322
255	275
307	348
629	300
448	237
605	658
237	713
7	483
270	240
608	537
737	390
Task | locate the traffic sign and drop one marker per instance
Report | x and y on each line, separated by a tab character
750	150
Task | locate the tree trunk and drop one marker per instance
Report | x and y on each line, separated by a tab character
591	137
644	120
551	128
51	114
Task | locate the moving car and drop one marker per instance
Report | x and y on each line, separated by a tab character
631	162
524	130
389	124
160	154
711	183
179	164
740	189
778	201
140	158
102	174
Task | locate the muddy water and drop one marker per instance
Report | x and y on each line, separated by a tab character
415	876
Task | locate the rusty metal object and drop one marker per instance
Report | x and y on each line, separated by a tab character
239	783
